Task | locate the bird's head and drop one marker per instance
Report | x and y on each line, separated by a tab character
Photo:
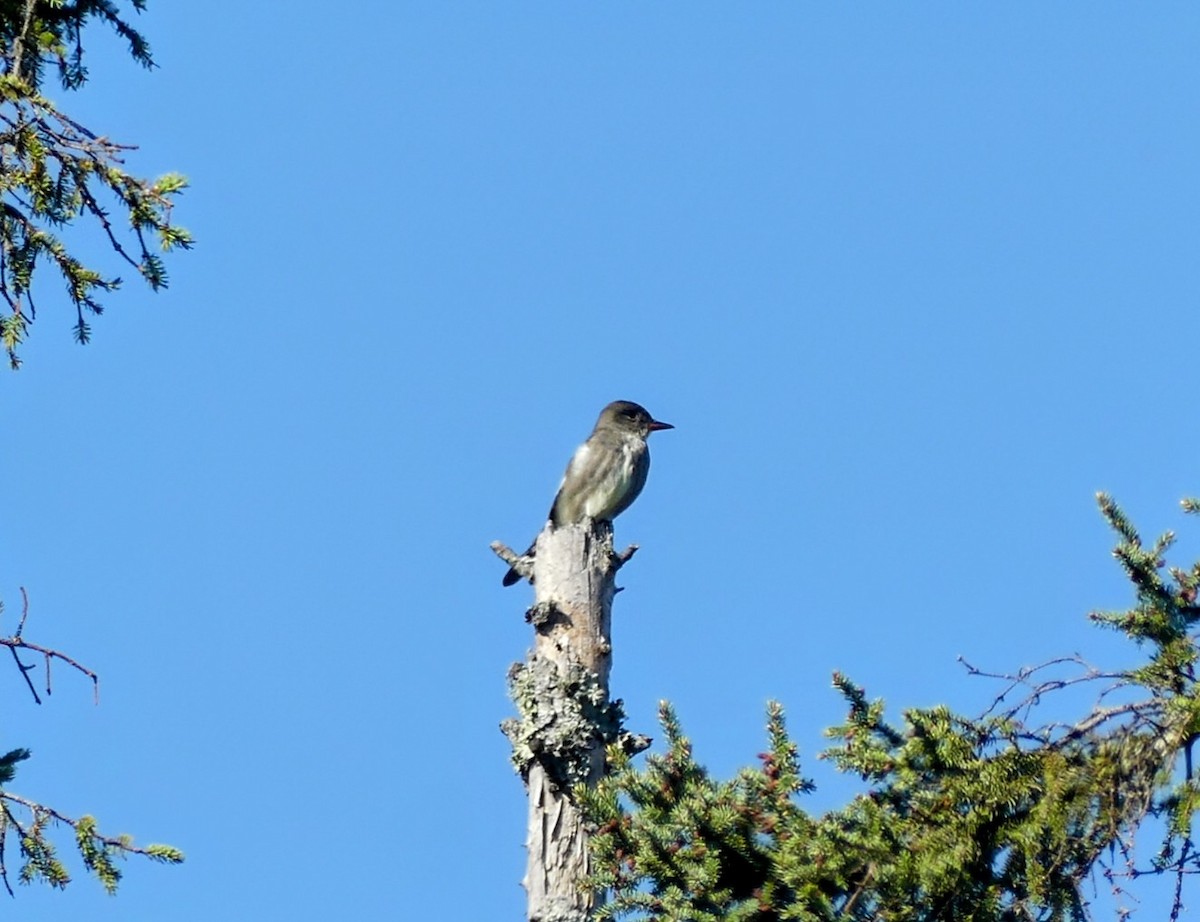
627	416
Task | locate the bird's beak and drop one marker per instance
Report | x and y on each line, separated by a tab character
656	426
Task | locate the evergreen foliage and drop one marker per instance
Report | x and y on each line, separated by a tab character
54	171
993	818
24	823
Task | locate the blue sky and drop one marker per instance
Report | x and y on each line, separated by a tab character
912	281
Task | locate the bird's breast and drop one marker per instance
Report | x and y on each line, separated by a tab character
612	483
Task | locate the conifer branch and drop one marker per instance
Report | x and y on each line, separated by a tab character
55	172
41	858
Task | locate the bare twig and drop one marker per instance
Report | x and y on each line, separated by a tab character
506	553
622	558
17	642
24	611
24	670
859	890
1023	679
19	44
4	851
1177	902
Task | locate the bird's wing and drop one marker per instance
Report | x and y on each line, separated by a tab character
560	515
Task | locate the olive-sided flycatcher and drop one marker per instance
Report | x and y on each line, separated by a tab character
607	472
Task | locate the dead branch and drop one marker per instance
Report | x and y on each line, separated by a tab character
17	642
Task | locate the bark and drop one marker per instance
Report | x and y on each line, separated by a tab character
566	718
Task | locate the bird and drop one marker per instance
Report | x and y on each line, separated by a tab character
606	473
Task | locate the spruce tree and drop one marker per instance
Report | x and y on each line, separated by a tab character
997	816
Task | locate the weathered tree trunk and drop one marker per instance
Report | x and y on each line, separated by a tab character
566	718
